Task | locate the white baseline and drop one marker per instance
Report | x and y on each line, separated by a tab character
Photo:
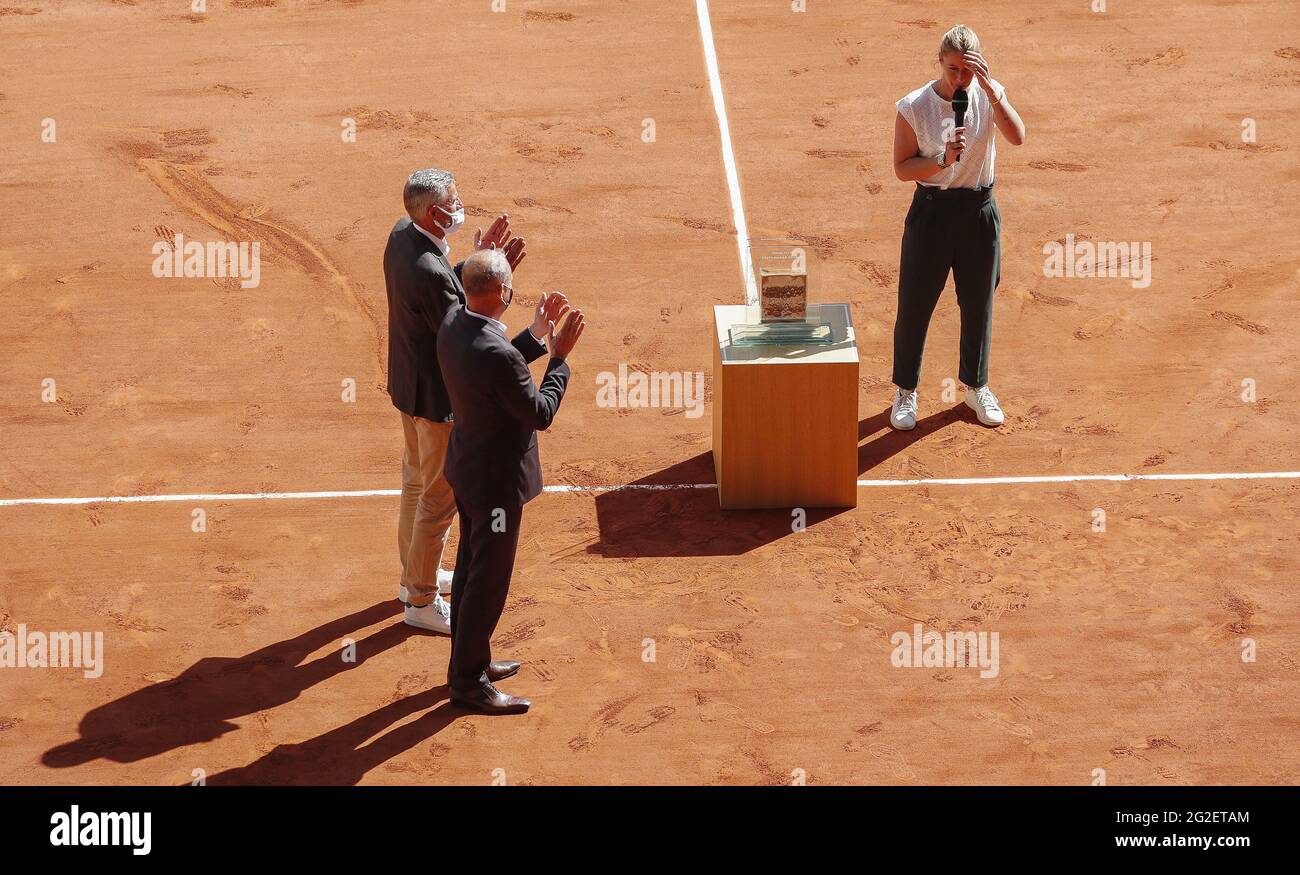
656	487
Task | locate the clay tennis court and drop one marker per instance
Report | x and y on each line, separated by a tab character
1120	650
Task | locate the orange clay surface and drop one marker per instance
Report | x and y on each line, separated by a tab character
1119	650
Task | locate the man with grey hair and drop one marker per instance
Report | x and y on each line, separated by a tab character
492	464
422	288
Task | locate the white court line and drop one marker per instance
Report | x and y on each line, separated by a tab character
1083	478
728	157
658	487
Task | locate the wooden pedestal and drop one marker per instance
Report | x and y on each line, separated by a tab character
785	418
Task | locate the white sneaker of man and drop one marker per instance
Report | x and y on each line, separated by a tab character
444	587
434	617
985	405
902	414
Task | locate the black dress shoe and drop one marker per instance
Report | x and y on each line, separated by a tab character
499	671
490	700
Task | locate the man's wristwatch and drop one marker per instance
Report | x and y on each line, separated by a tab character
941	157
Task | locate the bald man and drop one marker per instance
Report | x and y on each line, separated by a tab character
492	462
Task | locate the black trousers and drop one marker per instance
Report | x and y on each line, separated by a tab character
485	561
955	230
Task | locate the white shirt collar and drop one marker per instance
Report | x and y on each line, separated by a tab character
500	326
443	246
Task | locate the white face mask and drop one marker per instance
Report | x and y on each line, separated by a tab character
456	220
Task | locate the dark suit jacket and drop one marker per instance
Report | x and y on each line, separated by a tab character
422	289
492	459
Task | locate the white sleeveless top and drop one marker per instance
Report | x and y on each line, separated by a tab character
926	112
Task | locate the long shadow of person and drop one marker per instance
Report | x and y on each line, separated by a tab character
337	757
199	704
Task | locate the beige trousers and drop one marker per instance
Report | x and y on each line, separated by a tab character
428	506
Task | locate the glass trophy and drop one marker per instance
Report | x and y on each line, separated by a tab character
785	318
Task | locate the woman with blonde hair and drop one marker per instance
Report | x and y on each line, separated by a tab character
953	224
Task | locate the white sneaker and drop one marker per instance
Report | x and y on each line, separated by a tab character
985	405
903	414
444	587
435	616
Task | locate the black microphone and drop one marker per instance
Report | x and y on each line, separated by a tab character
960	103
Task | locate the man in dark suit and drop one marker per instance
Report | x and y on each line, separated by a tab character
422	288
492	464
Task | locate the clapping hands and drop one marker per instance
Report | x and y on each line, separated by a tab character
553	307
499	236
563	341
